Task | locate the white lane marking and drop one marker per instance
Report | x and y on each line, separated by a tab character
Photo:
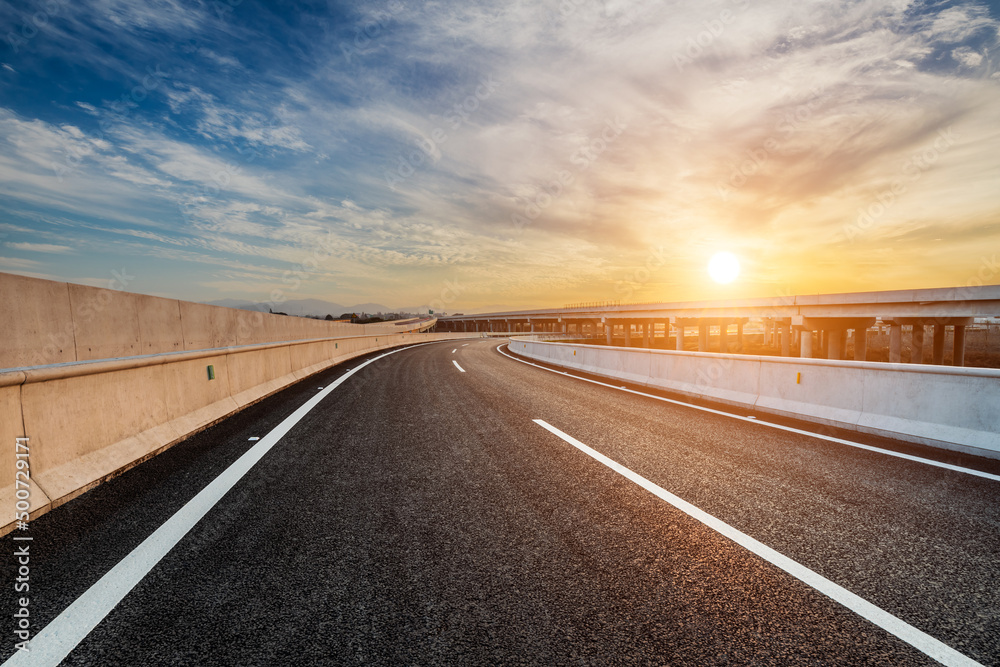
454	351
896	626
464	344
457	366
62	635
754	420
253	439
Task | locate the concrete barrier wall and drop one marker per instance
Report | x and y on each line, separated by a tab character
47	322
92	420
102	379
734	380
942	406
824	393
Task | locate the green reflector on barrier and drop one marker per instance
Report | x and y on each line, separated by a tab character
211	372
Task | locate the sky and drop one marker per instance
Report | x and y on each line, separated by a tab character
471	156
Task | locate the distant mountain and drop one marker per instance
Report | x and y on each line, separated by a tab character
309	307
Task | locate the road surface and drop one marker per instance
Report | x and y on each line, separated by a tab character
432	508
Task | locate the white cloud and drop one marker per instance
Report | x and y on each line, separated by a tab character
47	248
967	56
18	263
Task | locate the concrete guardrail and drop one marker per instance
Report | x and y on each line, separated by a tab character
941	406
89	421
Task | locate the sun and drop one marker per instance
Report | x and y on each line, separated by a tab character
724	267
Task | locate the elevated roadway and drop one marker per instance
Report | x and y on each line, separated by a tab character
810	325
448	504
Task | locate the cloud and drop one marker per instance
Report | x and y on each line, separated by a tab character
18	263
46	248
417	143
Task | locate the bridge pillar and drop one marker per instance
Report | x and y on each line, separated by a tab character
650	330
739	335
679	333
806	344
895	343
702	337
835	344
861	344
609	332
958	355
786	343
917	344
723	336
938	350
628	333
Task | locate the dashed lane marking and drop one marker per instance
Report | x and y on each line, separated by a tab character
68	629
753	420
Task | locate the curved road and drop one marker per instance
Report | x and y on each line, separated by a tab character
433	509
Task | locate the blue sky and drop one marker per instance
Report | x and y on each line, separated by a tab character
482	156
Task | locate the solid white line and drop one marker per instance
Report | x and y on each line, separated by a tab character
457	366
781	427
909	634
62	635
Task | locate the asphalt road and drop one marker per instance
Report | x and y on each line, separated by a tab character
419	515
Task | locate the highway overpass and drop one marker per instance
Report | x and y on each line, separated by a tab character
817	325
